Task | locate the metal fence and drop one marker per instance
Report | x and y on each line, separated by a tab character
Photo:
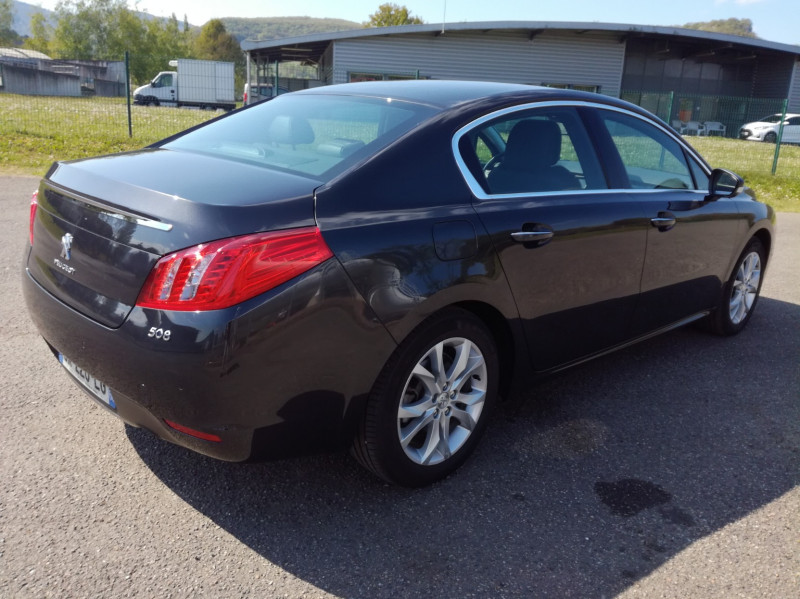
70	109
90	99
721	116
729	112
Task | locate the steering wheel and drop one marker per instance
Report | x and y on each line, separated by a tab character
492	164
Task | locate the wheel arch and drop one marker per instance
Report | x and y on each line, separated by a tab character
376	445
506	341
506	333
765	237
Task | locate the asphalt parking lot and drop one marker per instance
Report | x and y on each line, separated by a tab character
669	469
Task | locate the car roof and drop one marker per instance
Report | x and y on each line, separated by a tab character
447	94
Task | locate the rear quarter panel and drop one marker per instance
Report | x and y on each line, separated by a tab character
404	227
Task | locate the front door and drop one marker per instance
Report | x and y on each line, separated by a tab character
688	237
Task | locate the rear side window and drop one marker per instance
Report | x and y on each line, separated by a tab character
312	135
532	151
651	159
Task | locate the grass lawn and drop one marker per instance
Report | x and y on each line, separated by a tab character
35	131
753	161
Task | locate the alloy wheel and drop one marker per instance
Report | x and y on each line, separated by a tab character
745	287
442	401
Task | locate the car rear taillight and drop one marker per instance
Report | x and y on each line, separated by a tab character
34	206
223	273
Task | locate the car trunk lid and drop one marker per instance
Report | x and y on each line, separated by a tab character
102	224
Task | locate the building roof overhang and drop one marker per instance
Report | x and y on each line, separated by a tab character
310	48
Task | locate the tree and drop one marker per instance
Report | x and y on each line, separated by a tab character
41	34
106	29
215	43
8	37
741	27
390	14
88	29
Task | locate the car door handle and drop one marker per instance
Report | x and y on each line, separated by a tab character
664	221
532	236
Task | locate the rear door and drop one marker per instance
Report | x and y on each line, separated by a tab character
572	250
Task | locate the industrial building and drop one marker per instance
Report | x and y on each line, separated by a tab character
681	74
29	72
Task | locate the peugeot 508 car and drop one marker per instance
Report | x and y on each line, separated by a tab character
372	265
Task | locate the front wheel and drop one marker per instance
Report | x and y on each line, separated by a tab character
430	403
770	138
740	293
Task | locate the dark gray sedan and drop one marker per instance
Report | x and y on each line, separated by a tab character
372	265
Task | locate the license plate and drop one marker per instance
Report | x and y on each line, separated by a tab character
97	388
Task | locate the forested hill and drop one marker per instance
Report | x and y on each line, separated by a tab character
262	28
270	28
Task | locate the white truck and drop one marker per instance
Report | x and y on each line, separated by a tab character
198	83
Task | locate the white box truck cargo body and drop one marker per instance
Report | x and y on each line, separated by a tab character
200	83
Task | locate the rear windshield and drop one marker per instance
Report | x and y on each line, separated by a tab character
311	135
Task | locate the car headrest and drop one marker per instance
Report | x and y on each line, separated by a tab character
533	144
285	129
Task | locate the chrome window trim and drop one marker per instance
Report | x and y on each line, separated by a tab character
480	194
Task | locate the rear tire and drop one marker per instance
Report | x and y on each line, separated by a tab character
429	406
740	293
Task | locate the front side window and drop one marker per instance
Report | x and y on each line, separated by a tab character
532	151
700	176
651	158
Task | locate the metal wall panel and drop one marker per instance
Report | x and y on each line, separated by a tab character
512	56
326	66
772	77
794	89
24	80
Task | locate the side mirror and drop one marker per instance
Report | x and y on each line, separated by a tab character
724	184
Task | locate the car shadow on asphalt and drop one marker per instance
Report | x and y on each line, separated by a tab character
593	479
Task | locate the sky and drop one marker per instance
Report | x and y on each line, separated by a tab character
773	20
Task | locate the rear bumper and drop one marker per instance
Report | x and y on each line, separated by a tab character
284	373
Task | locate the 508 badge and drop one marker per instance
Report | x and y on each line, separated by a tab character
161	334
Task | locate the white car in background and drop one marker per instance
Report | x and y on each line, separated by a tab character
767	129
